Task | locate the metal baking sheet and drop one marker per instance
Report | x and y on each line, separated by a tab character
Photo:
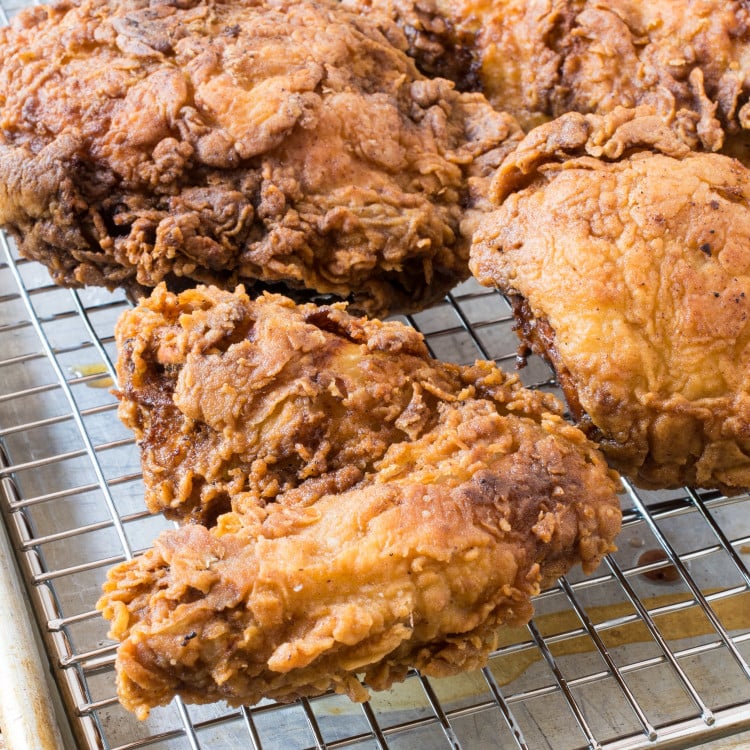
650	651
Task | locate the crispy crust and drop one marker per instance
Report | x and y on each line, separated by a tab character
234	400
633	252
686	60
436	39
225	142
385	577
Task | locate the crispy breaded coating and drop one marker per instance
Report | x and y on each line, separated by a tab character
231	397
223	142
628	258
687	59
434	33
446	539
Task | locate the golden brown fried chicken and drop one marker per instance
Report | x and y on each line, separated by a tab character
443	541
628	259
273	140
233	398
688	59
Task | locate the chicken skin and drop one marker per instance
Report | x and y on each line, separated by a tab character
273	142
537	59
627	257
444	540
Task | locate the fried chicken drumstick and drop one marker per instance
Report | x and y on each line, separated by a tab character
687	59
628	260
484	497
223	142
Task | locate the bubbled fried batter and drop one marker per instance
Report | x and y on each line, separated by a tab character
628	258
233	397
225	142
688	59
445	538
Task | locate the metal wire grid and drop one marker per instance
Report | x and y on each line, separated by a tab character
604	664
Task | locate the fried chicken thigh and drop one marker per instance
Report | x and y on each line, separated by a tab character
628	260
446	537
244	141
688	59
236	401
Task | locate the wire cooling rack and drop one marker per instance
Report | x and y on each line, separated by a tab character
650	651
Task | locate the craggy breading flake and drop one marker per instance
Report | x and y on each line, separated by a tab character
686	59
224	142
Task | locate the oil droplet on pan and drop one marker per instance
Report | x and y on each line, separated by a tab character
665	574
98	368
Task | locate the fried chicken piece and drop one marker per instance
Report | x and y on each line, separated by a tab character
628	259
233	398
418	565
223	142
688	59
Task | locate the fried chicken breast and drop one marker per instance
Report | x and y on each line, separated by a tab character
244	141
445	539
234	400
538	59
628	259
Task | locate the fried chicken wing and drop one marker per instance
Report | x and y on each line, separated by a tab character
234	398
628	259
224	142
418	565
538	59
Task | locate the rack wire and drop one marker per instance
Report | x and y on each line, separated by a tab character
650	651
